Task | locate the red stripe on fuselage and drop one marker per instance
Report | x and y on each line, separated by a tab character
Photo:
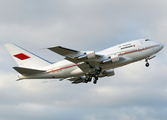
63	68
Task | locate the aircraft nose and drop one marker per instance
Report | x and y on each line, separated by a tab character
161	45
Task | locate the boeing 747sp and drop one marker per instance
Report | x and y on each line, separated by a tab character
82	66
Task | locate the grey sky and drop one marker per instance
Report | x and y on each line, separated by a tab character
134	93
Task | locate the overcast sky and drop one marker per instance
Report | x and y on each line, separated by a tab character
134	93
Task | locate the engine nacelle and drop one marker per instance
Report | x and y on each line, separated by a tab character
107	73
86	55
112	58
80	80
115	58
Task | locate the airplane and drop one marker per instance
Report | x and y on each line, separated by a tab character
82	66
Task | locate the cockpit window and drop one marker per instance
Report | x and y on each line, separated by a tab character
147	40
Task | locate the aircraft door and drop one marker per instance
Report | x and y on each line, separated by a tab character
140	47
141	41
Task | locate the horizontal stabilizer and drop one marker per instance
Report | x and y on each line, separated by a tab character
27	71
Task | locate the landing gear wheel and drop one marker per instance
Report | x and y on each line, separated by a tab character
147	64
90	79
86	81
95	81
97	71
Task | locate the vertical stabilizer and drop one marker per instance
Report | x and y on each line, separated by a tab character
25	58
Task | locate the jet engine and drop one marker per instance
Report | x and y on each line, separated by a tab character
112	59
86	55
107	73
79	80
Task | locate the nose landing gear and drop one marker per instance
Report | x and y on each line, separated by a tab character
149	58
147	64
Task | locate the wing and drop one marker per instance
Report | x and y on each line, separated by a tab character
86	60
63	51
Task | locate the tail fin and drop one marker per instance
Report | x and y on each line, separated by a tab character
25	58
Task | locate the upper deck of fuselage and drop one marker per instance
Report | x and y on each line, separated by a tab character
135	44
118	48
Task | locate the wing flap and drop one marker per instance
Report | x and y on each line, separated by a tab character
27	71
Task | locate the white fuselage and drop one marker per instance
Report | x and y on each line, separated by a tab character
133	51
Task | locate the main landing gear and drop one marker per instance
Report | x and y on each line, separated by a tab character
95	76
88	79
95	80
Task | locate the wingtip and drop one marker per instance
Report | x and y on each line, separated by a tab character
8	44
54	47
19	79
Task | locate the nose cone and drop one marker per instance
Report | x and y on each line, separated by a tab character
161	46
